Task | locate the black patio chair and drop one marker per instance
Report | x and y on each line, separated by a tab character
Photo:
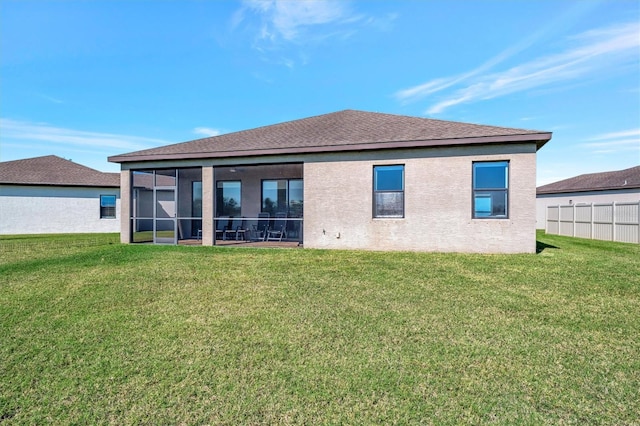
279	229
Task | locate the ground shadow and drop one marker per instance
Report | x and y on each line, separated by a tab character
540	247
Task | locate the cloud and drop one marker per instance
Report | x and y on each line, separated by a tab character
591	54
288	20
206	131
615	135
50	98
21	132
279	25
615	142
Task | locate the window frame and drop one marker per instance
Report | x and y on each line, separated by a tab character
103	208
475	192
376	191
290	210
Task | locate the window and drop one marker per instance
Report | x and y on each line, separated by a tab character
282	196
228	198
490	189
196	208
107	207
388	191
196	198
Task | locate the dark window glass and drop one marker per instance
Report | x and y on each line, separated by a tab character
490	189
196	199
296	198
274	196
228	201
388	191
196	208
283	196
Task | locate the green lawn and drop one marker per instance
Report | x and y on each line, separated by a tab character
103	333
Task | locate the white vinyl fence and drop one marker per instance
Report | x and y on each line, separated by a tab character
607	221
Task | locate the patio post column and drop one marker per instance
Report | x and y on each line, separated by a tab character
207	206
125	206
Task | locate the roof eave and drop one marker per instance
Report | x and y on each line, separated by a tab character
538	138
75	185
573	190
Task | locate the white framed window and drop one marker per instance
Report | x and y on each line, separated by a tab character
107	207
388	191
491	190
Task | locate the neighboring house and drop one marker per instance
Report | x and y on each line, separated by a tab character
366	180
49	195
607	187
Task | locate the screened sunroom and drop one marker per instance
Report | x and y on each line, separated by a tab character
240	204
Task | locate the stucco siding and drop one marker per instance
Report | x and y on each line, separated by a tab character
438	202
618	196
47	210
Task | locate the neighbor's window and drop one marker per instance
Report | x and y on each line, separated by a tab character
388	191
491	189
107	207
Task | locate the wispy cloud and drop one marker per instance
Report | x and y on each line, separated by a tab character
615	142
21	132
277	24
289	19
615	135
207	131
590	54
50	98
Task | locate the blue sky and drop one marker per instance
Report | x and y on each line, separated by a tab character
88	79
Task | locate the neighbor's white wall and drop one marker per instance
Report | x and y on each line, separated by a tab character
438	202
544	200
52	210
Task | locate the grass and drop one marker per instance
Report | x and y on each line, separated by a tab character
104	333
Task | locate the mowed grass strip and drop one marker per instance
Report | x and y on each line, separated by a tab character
121	334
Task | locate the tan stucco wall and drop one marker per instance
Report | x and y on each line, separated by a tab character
207	206
125	206
438	202
595	197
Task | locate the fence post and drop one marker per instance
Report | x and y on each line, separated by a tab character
547	219
592	213
613	220
573	228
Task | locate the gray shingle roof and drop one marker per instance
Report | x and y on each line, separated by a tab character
620	179
339	131
53	170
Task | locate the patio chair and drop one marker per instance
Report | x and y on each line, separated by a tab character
231	229
239	228
222	223
259	230
279	228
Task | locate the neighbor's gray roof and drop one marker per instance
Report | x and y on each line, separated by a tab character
620	179
346	130
53	170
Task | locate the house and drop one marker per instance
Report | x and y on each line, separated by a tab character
48	195
344	180
606	187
